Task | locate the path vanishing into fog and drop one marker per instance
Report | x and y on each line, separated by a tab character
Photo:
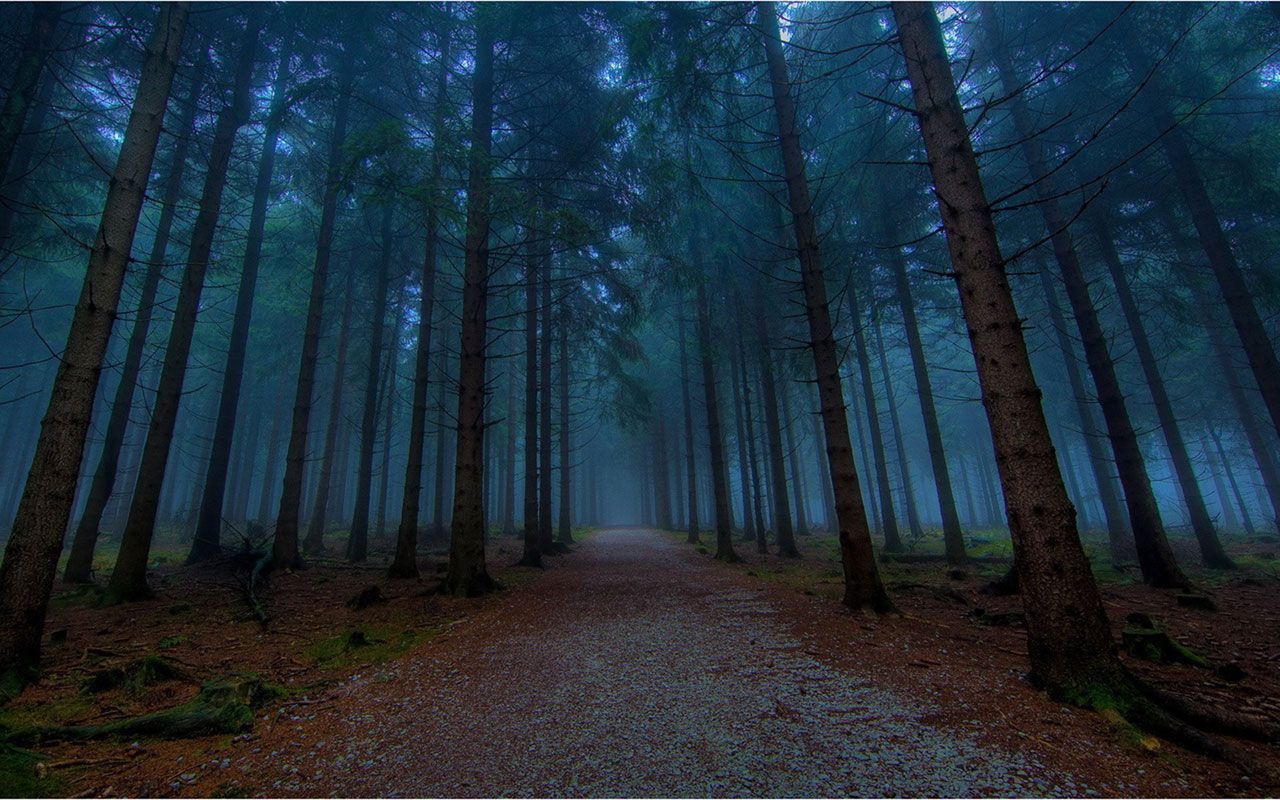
632	667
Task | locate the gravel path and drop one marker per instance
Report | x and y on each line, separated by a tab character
631	668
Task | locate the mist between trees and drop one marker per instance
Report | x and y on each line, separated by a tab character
326	281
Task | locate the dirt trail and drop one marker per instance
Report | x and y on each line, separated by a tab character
631	668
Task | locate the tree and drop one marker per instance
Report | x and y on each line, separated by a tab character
129	578
31	554
863	588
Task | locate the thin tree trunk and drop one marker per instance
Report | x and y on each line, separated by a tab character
438	495
662	493
80	560
691	467
793	463
36	539
744	466
468	574
862	586
1211	551
532	554
895	429
313	544
1069	638
1229	520
565	534
509	459
358	541
546	537
129	578
388	422
284	552
269	471
780	506
1154	556
952	536
1231	478
719	472
824	473
1121	544
889	518
207	542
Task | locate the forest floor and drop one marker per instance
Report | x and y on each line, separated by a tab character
632	666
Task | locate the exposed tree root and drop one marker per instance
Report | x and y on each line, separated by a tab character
219	708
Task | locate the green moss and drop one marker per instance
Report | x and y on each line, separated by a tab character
372	644
170	642
18	777
84	595
49	713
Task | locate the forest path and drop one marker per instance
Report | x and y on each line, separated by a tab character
632	667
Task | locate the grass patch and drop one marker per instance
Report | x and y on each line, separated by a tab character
371	644
18	776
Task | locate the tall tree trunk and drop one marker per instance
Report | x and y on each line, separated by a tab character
1259	439
1211	550
313	544
80	560
31	553
388	421
284	552
358	542
719	472
36	47
468	574
744	466
1258	347
1117	531
1154	556
761	536
15	181
867	465
546	537
781	506
824	473
793	462
509	459
662	492
1231	478
532	553
438	493
405	563
691	467
952	536
1229	521
565	534
129	578
1069	639
207	542
269	470
862	586
895	430
892	539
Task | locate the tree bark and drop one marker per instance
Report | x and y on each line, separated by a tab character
31	553
862	586
1211	551
207	542
781	506
468	574
757	511
793	463
313	544
80	561
1069	639
1154	556
129	578
388	421
952	536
